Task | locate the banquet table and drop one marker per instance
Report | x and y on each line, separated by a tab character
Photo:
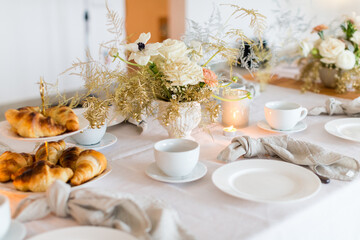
208	213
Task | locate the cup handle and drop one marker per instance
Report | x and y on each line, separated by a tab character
303	114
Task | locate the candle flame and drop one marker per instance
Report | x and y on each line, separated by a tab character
46	150
230	129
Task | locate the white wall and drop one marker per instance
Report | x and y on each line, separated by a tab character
42	38
314	11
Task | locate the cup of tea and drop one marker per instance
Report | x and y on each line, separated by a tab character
5	217
283	115
176	157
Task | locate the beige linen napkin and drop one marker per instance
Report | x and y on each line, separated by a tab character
321	161
335	107
143	218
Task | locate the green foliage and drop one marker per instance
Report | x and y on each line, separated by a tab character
349	29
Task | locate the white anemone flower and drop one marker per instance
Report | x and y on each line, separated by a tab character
140	51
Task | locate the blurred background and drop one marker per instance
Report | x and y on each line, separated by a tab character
43	37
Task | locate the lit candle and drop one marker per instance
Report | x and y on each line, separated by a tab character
229	131
235	109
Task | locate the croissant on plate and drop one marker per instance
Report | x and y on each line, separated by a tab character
69	157
55	149
27	122
89	165
64	116
39	176
11	162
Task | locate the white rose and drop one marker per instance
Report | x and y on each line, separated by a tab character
306	47
331	48
173	49
345	60
356	38
181	73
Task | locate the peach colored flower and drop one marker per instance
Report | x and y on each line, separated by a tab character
210	77
319	28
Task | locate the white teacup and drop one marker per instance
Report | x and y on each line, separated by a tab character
5	218
176	157
282	115
90	136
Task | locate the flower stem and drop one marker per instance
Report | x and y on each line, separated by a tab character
204	65
127	62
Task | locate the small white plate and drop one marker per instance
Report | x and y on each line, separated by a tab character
5	130
264	180
345	128
300	126
17	231
84	233
108	140
155	173
9	186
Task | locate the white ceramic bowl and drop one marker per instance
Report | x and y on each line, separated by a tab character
176	157
90	136
5	217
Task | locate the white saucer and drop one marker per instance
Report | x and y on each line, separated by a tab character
108	140
300	126
155	173
17	231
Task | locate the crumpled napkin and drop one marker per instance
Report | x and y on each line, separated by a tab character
319	160
335	107
144	219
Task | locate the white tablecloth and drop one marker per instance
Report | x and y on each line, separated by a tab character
208	213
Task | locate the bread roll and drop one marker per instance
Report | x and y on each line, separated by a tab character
32	124
89	165
55	149
39	176
69	157
11	162
64	116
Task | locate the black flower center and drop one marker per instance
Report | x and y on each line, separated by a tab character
141	46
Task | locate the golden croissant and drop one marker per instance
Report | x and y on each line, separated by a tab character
27	122
89	165
69	157
11	162
39	176
65	116
55	149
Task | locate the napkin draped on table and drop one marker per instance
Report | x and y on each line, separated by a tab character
335	107
319	160
142	218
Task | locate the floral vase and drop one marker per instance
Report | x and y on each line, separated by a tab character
327	77
181	126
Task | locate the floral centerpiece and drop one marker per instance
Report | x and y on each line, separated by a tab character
333	58
171	79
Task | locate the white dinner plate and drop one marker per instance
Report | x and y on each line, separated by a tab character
5	130
108	140
269	181
345	128
300	126
9	186
84	233
17	231
155	173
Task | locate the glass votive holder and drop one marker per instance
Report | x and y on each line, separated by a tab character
235	106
